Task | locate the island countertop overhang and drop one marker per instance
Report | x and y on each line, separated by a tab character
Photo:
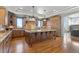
40	30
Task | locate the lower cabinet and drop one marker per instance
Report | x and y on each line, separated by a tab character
1	47
7	42
5	45
18	33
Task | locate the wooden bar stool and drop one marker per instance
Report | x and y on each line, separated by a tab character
38	37
30	39
46	35
27	38
49	34
43	35
33	37
54	35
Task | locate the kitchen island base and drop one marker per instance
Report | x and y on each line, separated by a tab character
39	36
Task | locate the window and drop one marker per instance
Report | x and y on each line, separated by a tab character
74	21
19	22
40	24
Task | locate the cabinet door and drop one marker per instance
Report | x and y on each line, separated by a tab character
22	32
2	11
1	47
2	20
2	16
14	33
7	43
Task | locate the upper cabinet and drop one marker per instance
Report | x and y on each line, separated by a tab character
2	12
2	15
11	19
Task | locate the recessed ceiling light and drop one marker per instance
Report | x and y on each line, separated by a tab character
20	8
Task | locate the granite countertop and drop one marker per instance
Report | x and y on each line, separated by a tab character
3	35
40	30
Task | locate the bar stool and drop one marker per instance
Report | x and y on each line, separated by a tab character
54	35
38	37
49	34
30	39
46	35
33	37
27	37
43	35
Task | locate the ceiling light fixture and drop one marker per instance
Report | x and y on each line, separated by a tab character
33	10
40	11
33	17
44	15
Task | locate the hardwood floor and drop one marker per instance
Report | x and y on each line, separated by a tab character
60	45
70	45
19	45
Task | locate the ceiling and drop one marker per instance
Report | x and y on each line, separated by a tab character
39	10
75	15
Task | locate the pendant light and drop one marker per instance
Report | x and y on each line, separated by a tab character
44	15
33	17
33	10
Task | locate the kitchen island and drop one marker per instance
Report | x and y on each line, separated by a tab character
35	36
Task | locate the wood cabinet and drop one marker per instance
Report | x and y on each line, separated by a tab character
2	15
1	47
56	23
2	20
11	19
2	12
5	45
17	33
